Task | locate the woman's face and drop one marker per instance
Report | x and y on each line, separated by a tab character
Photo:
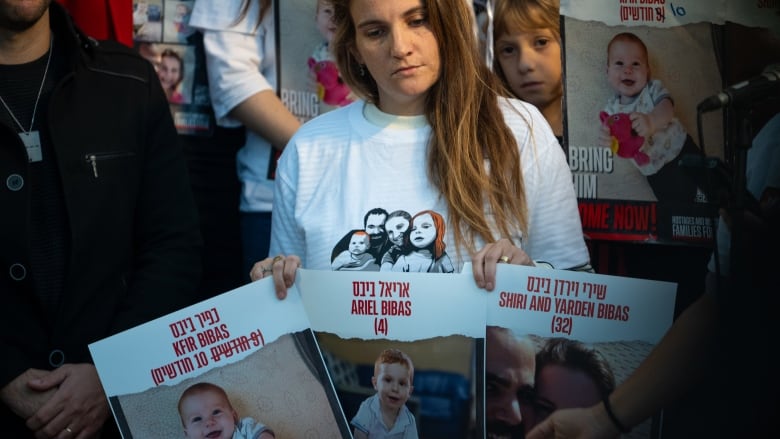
395	42
531	62
423	231
169	72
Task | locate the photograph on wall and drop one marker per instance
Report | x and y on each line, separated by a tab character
175	66
148	20
634	74
404	342
163	36
599	327
241	363
176	21
310	82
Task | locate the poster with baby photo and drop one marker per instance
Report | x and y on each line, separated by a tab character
241	364
310	82
634	75
403	343
598	327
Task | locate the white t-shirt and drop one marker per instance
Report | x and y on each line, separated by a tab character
240	61
339	166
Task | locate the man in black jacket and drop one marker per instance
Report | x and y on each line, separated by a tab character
98	229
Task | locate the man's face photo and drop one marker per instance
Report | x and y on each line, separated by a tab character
375	227
509	372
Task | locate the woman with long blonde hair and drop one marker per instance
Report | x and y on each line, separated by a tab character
434	130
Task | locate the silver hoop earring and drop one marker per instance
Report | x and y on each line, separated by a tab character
362	70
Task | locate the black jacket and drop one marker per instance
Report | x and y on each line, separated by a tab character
133	231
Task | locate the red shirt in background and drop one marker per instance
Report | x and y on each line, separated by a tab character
103	19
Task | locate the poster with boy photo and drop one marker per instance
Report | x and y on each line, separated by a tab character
407	343
598	327
223	365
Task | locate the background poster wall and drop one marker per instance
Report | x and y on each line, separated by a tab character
162	35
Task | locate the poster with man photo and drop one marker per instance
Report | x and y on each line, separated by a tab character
241	364
598	328
310	82
402	343
634	74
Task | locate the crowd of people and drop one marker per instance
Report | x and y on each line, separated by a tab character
440	158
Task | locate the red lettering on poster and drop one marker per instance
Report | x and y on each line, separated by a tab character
364	307
396	308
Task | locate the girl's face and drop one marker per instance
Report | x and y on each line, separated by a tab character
396	44
208	415
324	19
423	231
393	385
627	68
531	62
169	72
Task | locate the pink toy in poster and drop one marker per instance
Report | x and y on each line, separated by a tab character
626	142
331	89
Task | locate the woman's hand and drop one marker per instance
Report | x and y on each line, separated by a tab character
502	251
281	267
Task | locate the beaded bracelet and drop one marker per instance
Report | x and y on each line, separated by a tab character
608	407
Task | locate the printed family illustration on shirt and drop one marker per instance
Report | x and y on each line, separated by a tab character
395	241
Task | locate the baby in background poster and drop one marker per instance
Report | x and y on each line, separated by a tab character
646	106
331	89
